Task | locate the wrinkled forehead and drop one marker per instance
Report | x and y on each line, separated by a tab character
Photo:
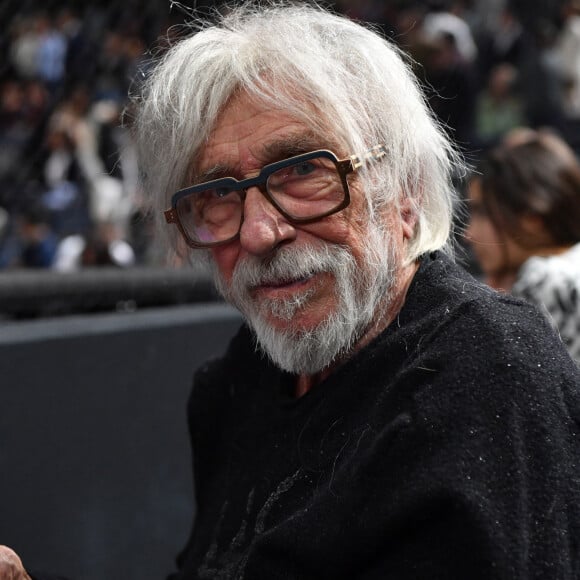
251	132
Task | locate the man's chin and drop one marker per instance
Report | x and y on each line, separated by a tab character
295	322
293	348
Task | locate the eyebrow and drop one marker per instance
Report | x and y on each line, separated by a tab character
291	146
270	152
215	172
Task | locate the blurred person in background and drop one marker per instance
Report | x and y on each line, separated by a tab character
568	54
567	60
451	74
51	56
441	21
501	40
26	32
540	80
37	239
499	106
524	226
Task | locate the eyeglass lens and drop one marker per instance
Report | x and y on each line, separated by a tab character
305	189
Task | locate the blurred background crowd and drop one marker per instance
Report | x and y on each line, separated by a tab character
69	194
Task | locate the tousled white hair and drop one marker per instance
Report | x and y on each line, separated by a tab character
341	78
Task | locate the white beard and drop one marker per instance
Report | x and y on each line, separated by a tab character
362	291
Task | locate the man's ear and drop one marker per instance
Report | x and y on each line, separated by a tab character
408	214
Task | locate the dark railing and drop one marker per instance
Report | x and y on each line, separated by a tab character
33	293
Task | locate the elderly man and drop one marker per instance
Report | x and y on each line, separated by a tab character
381	414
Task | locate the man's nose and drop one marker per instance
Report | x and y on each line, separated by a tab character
264	228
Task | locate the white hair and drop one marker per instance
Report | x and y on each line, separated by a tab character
342	79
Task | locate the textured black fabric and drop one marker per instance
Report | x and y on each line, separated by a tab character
448	448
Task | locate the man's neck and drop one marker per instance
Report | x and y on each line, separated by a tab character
396	301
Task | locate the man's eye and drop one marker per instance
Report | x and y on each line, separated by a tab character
304	168
222	192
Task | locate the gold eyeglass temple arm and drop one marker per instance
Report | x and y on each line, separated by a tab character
374	154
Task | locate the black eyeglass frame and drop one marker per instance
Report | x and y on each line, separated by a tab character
343	166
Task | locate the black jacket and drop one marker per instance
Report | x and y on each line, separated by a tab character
448	448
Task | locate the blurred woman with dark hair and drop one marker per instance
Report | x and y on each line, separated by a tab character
524	226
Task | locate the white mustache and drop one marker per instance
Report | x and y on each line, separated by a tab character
289	264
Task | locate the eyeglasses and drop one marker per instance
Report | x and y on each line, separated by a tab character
303	189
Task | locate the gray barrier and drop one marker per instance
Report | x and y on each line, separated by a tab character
95	466
40	293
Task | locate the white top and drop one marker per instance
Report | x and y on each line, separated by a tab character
553	284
